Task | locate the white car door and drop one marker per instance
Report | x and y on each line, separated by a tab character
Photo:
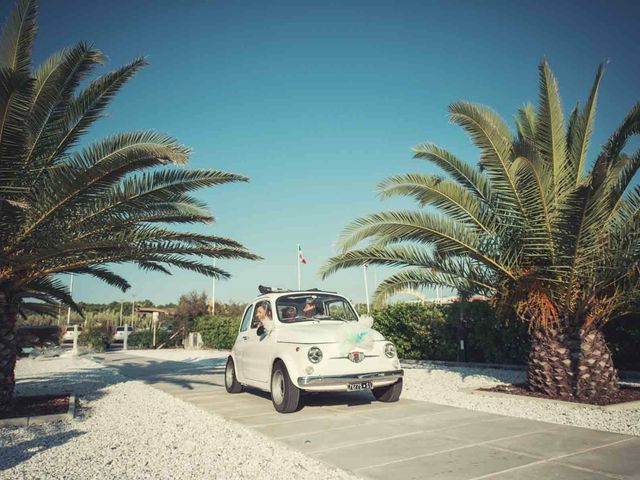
241	342
256	356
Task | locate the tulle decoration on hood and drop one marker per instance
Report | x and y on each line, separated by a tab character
355	336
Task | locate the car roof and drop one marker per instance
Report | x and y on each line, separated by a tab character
275	295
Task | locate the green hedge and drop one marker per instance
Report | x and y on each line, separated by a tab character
217	332
623	336
142	339
418	331
487	339
433	332
94	337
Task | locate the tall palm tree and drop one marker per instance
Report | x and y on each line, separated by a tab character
548	240
71	209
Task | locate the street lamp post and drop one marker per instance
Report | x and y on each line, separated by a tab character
366	287
213	291
70	294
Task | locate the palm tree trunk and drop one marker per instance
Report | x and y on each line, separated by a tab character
8	349
596	375
549	370
571	363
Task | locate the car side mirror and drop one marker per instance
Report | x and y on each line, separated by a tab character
260	330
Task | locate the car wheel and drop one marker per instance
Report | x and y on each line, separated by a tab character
390	393
284	394
230	381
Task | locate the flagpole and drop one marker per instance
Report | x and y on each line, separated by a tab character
366	287
298	263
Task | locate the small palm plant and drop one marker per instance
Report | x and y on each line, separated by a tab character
548	240
67	209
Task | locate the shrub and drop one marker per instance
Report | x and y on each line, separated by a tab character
487	339
94	337
418	331
217	332
623	337
142	339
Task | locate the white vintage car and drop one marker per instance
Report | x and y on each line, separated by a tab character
295	341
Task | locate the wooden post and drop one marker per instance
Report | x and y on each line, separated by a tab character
75	339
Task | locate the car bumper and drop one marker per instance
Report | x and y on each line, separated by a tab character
377	378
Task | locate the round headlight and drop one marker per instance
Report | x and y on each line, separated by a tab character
390	350
315	355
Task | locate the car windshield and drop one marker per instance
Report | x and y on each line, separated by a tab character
304	307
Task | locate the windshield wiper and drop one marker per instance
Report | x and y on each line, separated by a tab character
328	317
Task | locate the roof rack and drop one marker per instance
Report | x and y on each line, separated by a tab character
264	290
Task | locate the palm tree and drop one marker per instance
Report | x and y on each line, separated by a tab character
71	209
548	241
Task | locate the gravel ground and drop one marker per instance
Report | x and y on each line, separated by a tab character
130	430
446	385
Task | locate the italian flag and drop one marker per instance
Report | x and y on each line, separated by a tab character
303	260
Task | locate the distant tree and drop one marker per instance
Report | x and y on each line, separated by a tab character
190	306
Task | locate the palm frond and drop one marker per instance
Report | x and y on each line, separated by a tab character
448	237
492	136
550	131
55	81
466	175
526	123
16	92
583	128
83	111
18	34
445	195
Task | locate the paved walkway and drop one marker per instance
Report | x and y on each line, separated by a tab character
405	440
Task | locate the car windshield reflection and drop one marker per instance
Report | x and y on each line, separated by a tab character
299	307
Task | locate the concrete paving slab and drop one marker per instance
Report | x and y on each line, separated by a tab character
547	471
446	419
310	425
387	450
556	442
620	459
498	429
405	410
269	417
460	464
339	438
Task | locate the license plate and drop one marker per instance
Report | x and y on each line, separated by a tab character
359	386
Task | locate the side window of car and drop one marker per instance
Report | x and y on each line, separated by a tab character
247	317
262	311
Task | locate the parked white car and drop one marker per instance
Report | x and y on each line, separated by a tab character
67	336
118	333
295	341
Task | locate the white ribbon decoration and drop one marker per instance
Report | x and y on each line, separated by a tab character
355	336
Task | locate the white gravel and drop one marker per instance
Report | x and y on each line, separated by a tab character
447	385
127	429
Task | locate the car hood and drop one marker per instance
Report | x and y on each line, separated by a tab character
314	332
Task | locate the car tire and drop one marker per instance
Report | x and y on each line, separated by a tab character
284	394
390	393
230	380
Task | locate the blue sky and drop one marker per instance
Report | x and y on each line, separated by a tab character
318	101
